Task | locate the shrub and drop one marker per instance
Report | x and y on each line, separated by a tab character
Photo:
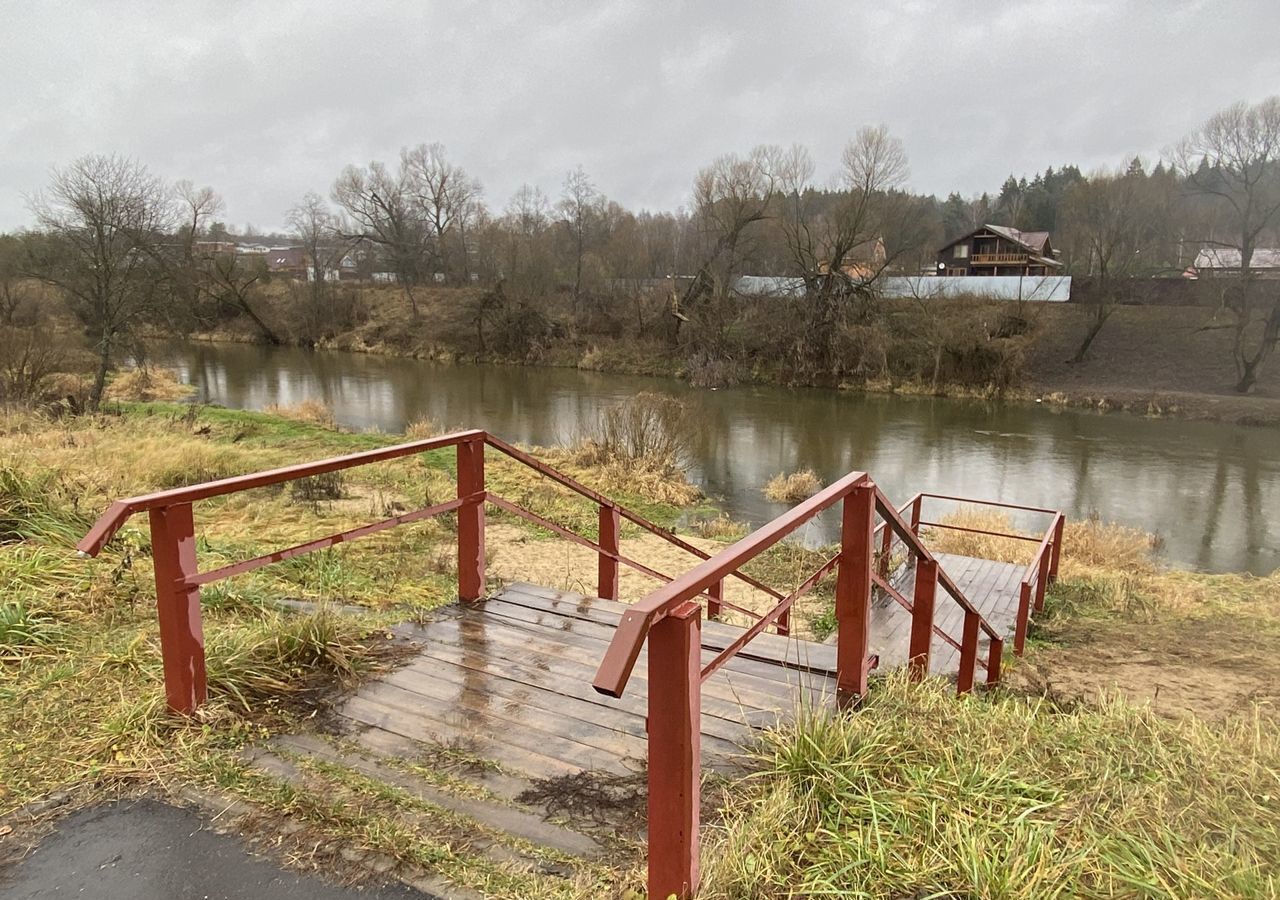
148	384
314	412
650	430
793	488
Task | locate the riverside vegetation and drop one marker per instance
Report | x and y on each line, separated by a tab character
1061	783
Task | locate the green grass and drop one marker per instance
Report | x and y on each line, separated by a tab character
921	795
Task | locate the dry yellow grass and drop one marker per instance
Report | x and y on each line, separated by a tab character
145	385
313	412
784	488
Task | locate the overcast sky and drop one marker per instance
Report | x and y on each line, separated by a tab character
265	101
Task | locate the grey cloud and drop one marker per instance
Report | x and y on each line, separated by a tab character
265	102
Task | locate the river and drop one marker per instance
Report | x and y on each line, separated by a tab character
1211	491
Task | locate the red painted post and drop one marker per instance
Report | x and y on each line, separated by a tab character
783	622
173	552
717	594
886	546
675	732
471	521
915	514
995	656
853	593
610	525
922	618
968	653
1042	580
1057	548
1024	613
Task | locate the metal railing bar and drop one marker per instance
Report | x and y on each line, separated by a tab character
764	621
1000	534
110	521
258	562
541	522
635	518
972	502
620	658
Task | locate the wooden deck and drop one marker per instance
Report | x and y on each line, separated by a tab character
507	680
992	587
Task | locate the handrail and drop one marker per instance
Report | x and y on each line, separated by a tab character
624	649
909	537
578	487
1041	571
110	522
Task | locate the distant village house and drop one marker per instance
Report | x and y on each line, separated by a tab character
1217	262
999	250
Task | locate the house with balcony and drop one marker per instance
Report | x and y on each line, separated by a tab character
999	250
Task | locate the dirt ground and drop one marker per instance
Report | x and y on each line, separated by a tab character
1208	668
1171	359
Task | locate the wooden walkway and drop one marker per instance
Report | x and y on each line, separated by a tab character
992	587
507	681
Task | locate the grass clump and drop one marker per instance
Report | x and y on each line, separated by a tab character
24	632
792	488
1005	796
312	412
144	384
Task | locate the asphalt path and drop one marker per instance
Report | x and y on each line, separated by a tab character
147	850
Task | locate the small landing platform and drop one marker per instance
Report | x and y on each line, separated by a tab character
992	587
511	678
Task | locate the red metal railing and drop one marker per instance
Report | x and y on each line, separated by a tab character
668	620
178	578
1041	571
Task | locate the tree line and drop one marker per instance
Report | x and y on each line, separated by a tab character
124	249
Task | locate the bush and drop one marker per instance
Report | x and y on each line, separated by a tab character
314	412
650	430
793	488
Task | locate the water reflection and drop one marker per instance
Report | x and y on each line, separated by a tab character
1211	491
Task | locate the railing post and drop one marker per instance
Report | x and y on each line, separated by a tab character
675	731
886	547
610	525
1042	580
471	520
853	593
995	657
716	593
968	653
1057	548
916	504
783	623
173	552
922	618
1024	613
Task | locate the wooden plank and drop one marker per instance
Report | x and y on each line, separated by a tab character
569	682
411	724
718	635
566	630
773	649
535	733
520	645
428	675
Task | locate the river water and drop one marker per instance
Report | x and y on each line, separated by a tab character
1211	491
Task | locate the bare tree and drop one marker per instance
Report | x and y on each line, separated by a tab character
840	252
179	257
580	207
384	211
1235	159
103	216
730	196
1113	218
17	299
441	193
232	280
